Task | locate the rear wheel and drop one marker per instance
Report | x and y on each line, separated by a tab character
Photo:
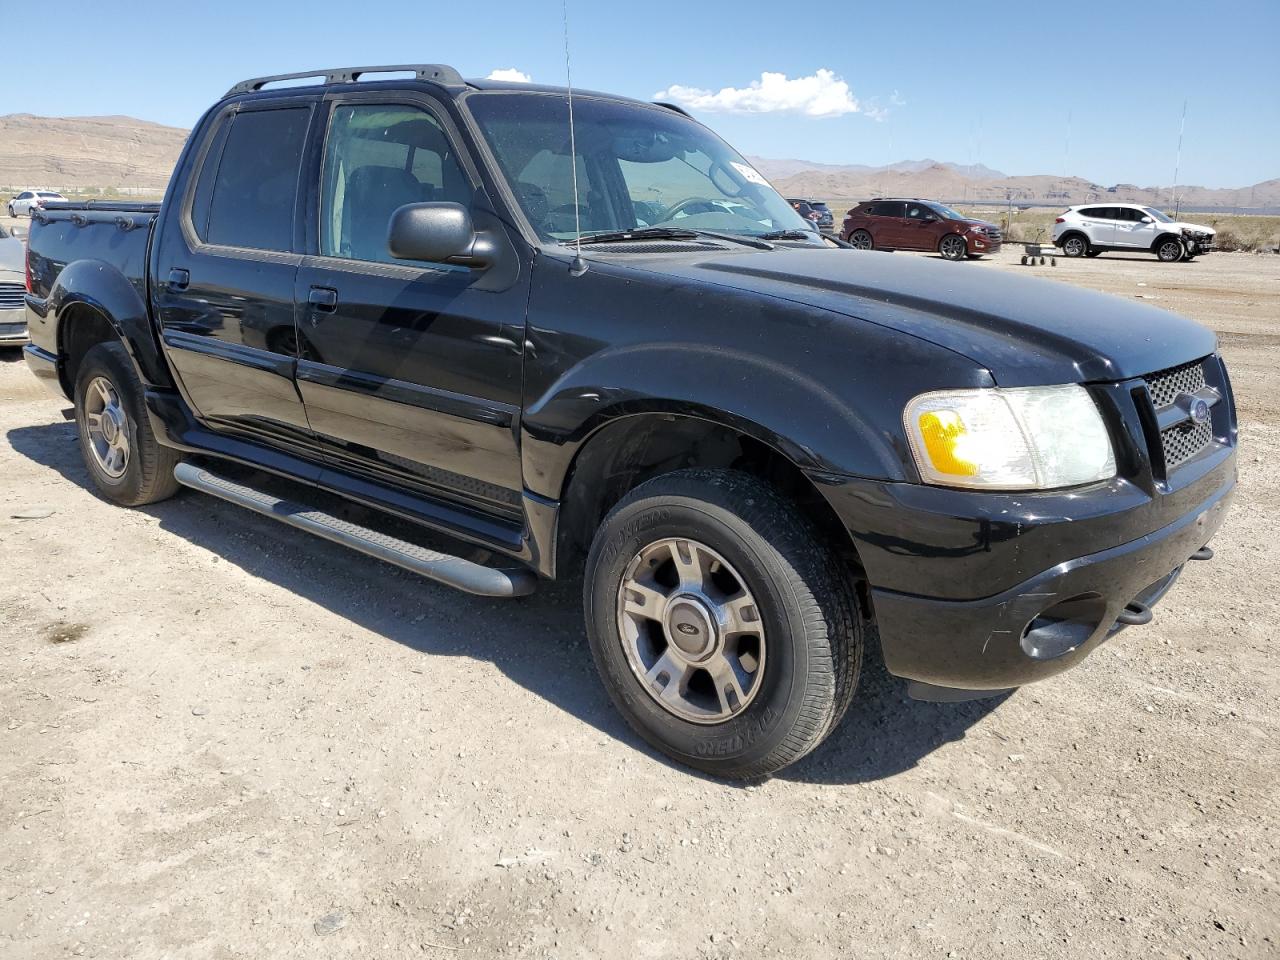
725	632
127	464
1170	250
953	247
1075	245
862	240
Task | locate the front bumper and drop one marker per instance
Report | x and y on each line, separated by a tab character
983	244
1045	624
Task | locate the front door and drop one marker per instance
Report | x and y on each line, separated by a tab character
919	231
226	266
410	372
1134	227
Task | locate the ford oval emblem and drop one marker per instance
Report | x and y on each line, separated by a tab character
1199	411
688	629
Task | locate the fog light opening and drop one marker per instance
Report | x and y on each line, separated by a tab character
1063	627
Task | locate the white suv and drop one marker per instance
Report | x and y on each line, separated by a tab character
1091	229
21	204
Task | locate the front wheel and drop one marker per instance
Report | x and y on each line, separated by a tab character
1170	250
127	464
861	240
953	247
726	634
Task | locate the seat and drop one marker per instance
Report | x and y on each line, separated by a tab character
372	194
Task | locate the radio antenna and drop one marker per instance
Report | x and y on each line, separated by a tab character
579	266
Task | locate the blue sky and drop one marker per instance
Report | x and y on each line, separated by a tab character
988	82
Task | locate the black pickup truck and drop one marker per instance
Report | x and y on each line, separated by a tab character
616	351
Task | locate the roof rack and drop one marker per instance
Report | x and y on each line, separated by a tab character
672	106
436	72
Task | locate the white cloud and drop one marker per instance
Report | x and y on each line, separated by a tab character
510	74
821	95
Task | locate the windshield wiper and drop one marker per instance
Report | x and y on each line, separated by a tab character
788	235
669	233
640	233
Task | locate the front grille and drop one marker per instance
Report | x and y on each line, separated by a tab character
1167	384
11	295
1184	441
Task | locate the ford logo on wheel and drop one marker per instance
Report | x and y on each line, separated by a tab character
688	629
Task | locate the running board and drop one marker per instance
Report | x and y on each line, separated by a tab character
441	567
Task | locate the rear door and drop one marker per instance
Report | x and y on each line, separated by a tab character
1099	224
888	223
410	371
225	269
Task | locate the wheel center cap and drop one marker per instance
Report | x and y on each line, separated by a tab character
690	628
110	424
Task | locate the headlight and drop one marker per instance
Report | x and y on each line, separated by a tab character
1020	438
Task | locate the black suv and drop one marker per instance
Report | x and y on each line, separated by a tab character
751	445
825	219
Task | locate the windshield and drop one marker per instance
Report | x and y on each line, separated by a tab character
636	167
1158	215
948	212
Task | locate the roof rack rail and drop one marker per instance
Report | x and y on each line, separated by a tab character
672	106
437	72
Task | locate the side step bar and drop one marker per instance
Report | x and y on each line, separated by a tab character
441	567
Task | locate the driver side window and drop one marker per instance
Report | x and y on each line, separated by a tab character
377	158
918	211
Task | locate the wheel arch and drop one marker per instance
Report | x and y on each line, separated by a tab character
1167	235
635	446
92	301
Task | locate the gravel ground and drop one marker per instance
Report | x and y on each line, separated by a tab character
221	739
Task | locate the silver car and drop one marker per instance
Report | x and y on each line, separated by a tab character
13	284
21	205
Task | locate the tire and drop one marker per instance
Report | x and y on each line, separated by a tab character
1170	250
802	623
1075	245
862	240
141	470
953	247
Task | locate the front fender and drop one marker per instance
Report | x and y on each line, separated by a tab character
100	286
797	415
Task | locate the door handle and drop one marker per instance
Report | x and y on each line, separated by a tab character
324	299
179	279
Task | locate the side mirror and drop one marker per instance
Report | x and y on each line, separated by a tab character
1147	220
437	233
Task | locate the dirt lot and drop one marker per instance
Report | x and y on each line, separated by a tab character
220	739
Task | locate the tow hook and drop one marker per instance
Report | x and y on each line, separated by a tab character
1135	614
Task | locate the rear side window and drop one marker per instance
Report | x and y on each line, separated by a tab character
1098	213
255	186
888	208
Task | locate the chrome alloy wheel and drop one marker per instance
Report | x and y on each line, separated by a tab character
861	240
953	248
691	631
108	427
1074	247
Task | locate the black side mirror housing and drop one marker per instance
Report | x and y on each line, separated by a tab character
438	233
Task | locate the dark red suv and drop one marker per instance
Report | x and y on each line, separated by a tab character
883	224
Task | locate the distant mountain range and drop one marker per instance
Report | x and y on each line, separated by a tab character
137	156
975	183
58	153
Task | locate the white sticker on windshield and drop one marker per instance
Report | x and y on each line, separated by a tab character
750	174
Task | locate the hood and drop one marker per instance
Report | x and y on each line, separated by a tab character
1197	227
1025	331
969	222
13	255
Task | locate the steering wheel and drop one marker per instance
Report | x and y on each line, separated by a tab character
708	205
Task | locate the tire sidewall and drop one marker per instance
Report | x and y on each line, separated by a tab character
1160	252
766	721
871	243
1080	251
110	360
943	244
